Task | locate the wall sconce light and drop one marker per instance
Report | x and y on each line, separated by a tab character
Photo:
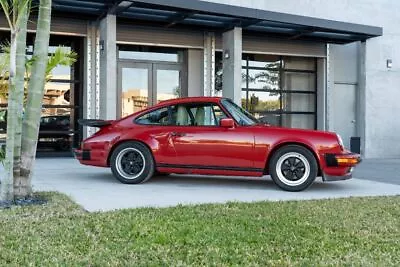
389	64
101	45
227	54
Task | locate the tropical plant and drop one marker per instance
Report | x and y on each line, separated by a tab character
61	57
23	127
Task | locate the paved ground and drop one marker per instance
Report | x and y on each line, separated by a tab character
379	170
97	190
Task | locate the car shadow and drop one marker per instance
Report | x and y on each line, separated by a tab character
215	181
187	181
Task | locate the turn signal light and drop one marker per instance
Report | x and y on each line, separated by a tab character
347	161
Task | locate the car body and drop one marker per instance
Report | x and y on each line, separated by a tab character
213	136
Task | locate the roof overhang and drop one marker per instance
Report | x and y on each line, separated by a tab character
220	17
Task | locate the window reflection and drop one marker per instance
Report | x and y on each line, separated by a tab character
168	84
58	116
280	90
55	131
153	56
135	88
298	102
303	121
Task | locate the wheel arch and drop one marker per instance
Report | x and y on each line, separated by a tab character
280	145
125	141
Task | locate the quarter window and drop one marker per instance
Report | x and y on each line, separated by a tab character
156	117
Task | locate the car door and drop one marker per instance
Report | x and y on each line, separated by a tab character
201	143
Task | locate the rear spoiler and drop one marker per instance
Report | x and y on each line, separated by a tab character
95	123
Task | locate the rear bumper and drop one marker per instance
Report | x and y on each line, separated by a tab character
82	154
340	166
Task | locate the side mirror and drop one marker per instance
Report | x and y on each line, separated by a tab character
227	123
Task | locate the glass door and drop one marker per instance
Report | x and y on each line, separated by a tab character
167	82
135	87
145	84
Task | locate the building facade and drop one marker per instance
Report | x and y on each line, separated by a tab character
329	65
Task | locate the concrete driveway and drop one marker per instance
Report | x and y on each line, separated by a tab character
97	190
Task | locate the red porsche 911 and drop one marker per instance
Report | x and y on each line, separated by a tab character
213	136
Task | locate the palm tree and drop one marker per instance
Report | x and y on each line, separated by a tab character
16	13
30	128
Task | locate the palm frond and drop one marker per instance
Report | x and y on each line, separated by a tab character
5	5
61	57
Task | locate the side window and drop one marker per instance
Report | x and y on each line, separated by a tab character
156	117
219	114
181	116
202	114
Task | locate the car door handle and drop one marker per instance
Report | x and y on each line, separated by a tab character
177	134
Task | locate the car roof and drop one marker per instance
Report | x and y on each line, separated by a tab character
196	99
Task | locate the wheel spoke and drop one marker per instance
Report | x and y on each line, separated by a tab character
289	175
299	173
285	168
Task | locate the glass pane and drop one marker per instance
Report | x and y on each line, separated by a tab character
299	81
56	130
204	115
135	89
263	79
156	117
298	102
244	100
57	94
304	121
264	61
153	56
61	73
53	48
263	101
299	63
168	84
180	116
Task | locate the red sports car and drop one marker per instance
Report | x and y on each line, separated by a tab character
214	136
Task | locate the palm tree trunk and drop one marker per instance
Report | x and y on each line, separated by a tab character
19	96
7	192
33	109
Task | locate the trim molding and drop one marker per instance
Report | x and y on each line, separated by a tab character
203	167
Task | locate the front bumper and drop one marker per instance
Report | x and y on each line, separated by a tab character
342	160
331	178
340	166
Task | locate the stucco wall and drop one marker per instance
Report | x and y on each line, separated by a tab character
382	126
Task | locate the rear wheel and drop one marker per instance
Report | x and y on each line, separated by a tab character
132	163
293	168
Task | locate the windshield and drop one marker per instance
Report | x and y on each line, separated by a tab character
241	116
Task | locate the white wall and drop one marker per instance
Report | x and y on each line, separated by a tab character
382	127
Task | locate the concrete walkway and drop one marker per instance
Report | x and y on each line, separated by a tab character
97	190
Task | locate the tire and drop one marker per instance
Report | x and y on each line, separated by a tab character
132	163
293	168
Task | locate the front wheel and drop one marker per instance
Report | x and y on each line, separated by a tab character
293	168
132	163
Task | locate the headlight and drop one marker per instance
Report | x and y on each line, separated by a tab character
340	140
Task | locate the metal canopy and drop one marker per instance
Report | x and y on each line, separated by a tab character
220	17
